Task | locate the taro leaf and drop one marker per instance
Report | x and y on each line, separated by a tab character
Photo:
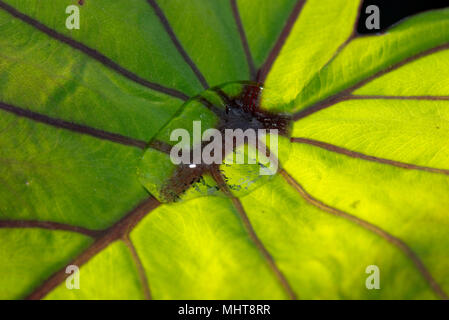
366	182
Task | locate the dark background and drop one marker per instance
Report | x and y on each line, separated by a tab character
392	11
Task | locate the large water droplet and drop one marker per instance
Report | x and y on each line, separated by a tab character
225	128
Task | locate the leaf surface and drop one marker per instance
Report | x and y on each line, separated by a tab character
366	181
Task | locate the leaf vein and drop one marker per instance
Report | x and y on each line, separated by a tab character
163	19
91	52
359	155
243	39
401	245
216	174
116	232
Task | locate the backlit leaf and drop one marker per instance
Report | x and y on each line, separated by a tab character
85	178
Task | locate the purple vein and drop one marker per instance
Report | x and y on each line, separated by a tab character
345	97
346	94
243	39
351	37
92	53
15	224
116	232
252	233
163	19
399	65
62	124
401	245
218	112
378	97
358	155
140	269
266	67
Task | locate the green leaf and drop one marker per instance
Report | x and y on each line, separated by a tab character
372	56
320	29
85	121
30	255
55	175
100	280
